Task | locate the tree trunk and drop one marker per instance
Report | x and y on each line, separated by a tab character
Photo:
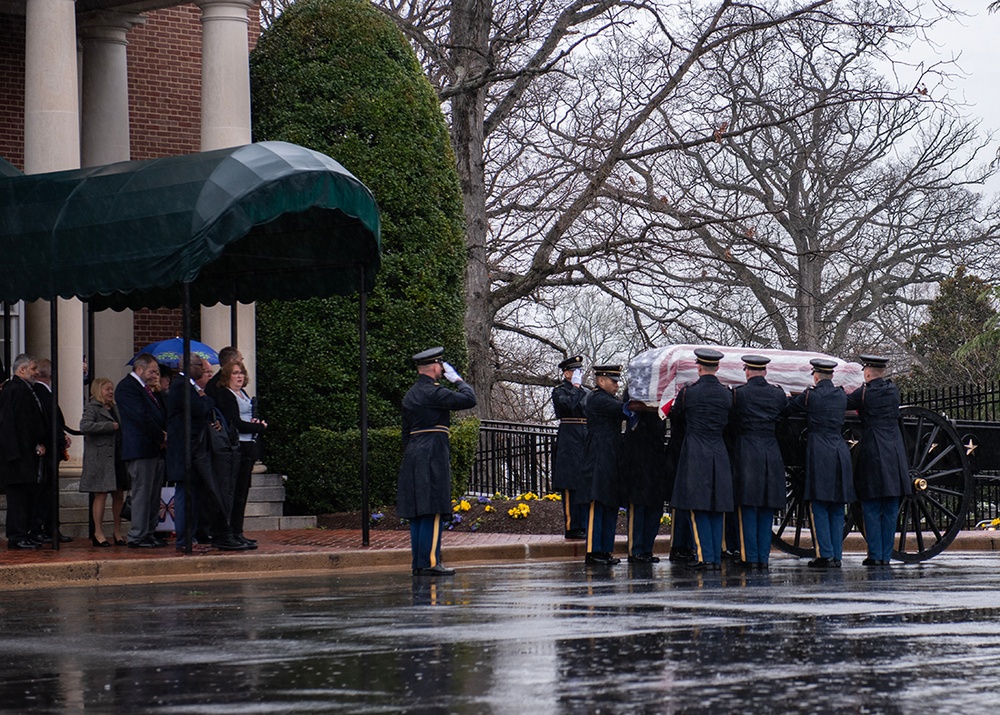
470	26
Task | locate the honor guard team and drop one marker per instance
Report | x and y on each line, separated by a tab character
723	462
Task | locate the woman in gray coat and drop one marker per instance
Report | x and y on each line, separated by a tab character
103	471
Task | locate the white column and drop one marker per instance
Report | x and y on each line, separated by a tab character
52	143
105	140
225	122
105	124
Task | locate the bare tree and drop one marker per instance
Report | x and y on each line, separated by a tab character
847	200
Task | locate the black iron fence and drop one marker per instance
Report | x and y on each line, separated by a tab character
960	402
513	458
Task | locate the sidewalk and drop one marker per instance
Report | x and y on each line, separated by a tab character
310	551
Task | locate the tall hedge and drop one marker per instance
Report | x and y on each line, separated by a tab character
338	77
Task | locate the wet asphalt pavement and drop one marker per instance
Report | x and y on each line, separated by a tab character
525	638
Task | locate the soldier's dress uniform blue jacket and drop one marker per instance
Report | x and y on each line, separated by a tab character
758	468
882	466
704	477
567	467
828	461
643	468
603	445
424	485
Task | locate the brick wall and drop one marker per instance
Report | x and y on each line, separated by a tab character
12	89
151	326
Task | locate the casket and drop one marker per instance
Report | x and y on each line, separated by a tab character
655	376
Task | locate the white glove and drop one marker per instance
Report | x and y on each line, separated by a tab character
577	378
450	373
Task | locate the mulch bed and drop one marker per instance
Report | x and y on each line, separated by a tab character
544	517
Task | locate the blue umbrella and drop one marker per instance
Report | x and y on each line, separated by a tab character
171	352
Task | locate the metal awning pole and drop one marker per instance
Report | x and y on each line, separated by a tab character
91	363
363	343
6	340
54	448
234	320
186	362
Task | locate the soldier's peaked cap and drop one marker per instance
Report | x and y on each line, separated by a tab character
823	365
755	362
874	361
428	356
708	357
571	363
612	371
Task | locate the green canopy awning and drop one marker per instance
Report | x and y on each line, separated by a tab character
260	222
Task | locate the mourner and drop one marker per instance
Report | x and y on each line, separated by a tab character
567	400
758	469
829	484
642	472
883	474
703	487
423	492
600	465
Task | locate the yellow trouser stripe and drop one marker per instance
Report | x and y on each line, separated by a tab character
697	539
566	508
739	523
631	527
435	538
812	521
590	529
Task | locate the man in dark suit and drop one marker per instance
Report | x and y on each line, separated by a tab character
423	489
22	446
41	526
199	478
600	465
703	486
883	476
829	485
144	432
758	468
567	401
642	471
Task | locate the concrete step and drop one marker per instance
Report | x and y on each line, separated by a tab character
265	504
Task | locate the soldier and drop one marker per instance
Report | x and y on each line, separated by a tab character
567	399
758	469
883	470
643	476
829	485
423	492
600	465
704	483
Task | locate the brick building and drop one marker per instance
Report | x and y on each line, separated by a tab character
95	82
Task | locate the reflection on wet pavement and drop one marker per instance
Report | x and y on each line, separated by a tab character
537	638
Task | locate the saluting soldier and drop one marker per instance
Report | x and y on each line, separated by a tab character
883	476
423	492
758	469
600	465
829	485
643	476
567	465
704	482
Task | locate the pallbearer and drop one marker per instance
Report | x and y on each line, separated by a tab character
423	492
567	467
643	475
758	469
600	465
829	484
704	482
883	471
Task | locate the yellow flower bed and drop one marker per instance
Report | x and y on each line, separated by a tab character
462	506
520	511
553	497
527	496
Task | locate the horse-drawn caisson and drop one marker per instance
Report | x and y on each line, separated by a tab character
943	454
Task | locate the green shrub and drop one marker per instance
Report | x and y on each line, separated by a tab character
327	467
337	76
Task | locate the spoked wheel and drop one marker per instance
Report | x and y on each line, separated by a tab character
931	517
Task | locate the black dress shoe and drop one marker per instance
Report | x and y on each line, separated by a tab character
821	563
40	537
249	543
599	558
119	542
230	543
438	570
143	543
102	544
696	566
870	562
64	539
681	556
835	564
243	537
576	534
22	543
